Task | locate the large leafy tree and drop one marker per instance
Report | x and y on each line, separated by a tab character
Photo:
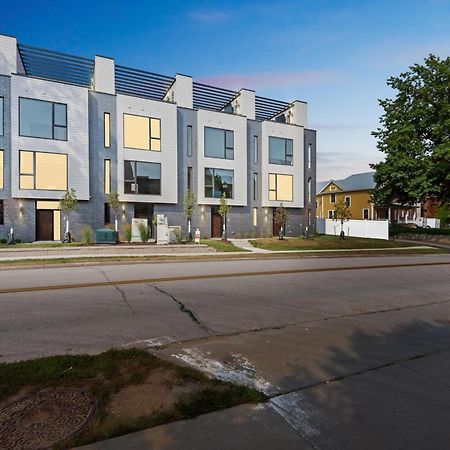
415	136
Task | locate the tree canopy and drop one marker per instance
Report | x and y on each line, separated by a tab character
415	136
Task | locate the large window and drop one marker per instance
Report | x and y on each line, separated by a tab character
142	178
42	119
280	187
43	171
280	151
189	140
1	169
217	182
107	176
1	115
219	143
142	133
107	129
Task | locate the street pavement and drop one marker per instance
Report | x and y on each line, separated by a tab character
353	352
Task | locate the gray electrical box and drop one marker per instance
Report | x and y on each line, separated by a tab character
162	229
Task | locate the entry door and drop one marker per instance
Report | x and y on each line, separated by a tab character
44	225
216	223
276	226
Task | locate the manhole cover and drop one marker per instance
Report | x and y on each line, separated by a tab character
44	419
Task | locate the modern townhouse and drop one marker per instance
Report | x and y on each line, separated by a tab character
98	127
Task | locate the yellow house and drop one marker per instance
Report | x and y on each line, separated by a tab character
353	190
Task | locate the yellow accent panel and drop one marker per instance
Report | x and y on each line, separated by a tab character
26	182
107	176
41	204
156	145
284	188
56	225
272	195
51	171
155	128
272	183
1	169
136	132
107	129
26	163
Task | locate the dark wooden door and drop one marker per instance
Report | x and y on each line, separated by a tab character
216	224
44	225
276	227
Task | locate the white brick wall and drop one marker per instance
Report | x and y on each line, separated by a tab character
167	157
77	145
8	55
104	75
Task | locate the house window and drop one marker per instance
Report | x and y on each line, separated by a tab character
280	187
189	140
255	149
2	214
1	115
347	201
280	151
1	169
309	190
106	130
255	217
142	178
332	198
255	186
142	133
107	176
309	155
43	171
42	119
365	214
107	213
331	214
189	177
218	182
219	143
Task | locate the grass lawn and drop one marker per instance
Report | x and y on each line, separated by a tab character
324	242
133	389
222	246
43	245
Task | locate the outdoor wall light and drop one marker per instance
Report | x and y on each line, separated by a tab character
21	209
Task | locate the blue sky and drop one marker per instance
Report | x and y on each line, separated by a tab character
336	55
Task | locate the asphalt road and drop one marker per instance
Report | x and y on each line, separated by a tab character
354	352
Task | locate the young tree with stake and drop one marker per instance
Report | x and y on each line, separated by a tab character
68	203
189	206
224	209
114	203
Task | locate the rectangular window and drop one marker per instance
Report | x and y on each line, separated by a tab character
107	176
255	217
280	187
217	182
255	186
142	133
43	171
365	214
107	213
189	178
280	151
2	101
107	130
347	201
309	190
331	214
189	140
332	198
255	149
2	214
42	119
219	143
309	156
142	178
1	169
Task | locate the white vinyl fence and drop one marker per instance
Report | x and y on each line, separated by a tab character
375	229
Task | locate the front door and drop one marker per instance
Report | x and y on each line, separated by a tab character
216	223
44	225
276	226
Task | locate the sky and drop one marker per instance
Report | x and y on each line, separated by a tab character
336	55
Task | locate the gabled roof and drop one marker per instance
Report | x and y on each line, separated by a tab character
357	182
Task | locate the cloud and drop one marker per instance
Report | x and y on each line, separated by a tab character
273	79
211	16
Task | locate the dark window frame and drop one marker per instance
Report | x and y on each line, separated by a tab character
213	185
276	187
104	129
225	148
333	197
349	203
255	149
287	161
53	125
255	186
2	121
2	213
189	178
150	137
135	181
189	140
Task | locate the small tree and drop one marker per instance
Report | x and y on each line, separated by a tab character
281	217
114	203
342	214
224	209
443	214
68	204
189	206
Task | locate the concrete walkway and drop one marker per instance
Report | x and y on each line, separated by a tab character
246	245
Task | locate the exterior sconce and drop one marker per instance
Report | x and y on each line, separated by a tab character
123	212
21	209
203	212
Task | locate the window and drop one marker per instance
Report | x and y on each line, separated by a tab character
217	182
107	176
142	178
106	130
365	214
332	198
255	217
255	186
255	149
347	201
1	169
1	115
219	143
107	213
280	187
142	133
309	190
42	119
189	140
189	177
280	151
309	155
331	214
2	214
43	171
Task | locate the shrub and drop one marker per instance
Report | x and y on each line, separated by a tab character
143	232
126	230
178	236
3	241
86	234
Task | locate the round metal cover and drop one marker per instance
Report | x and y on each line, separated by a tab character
44	419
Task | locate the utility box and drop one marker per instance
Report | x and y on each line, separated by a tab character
106	236
162	229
